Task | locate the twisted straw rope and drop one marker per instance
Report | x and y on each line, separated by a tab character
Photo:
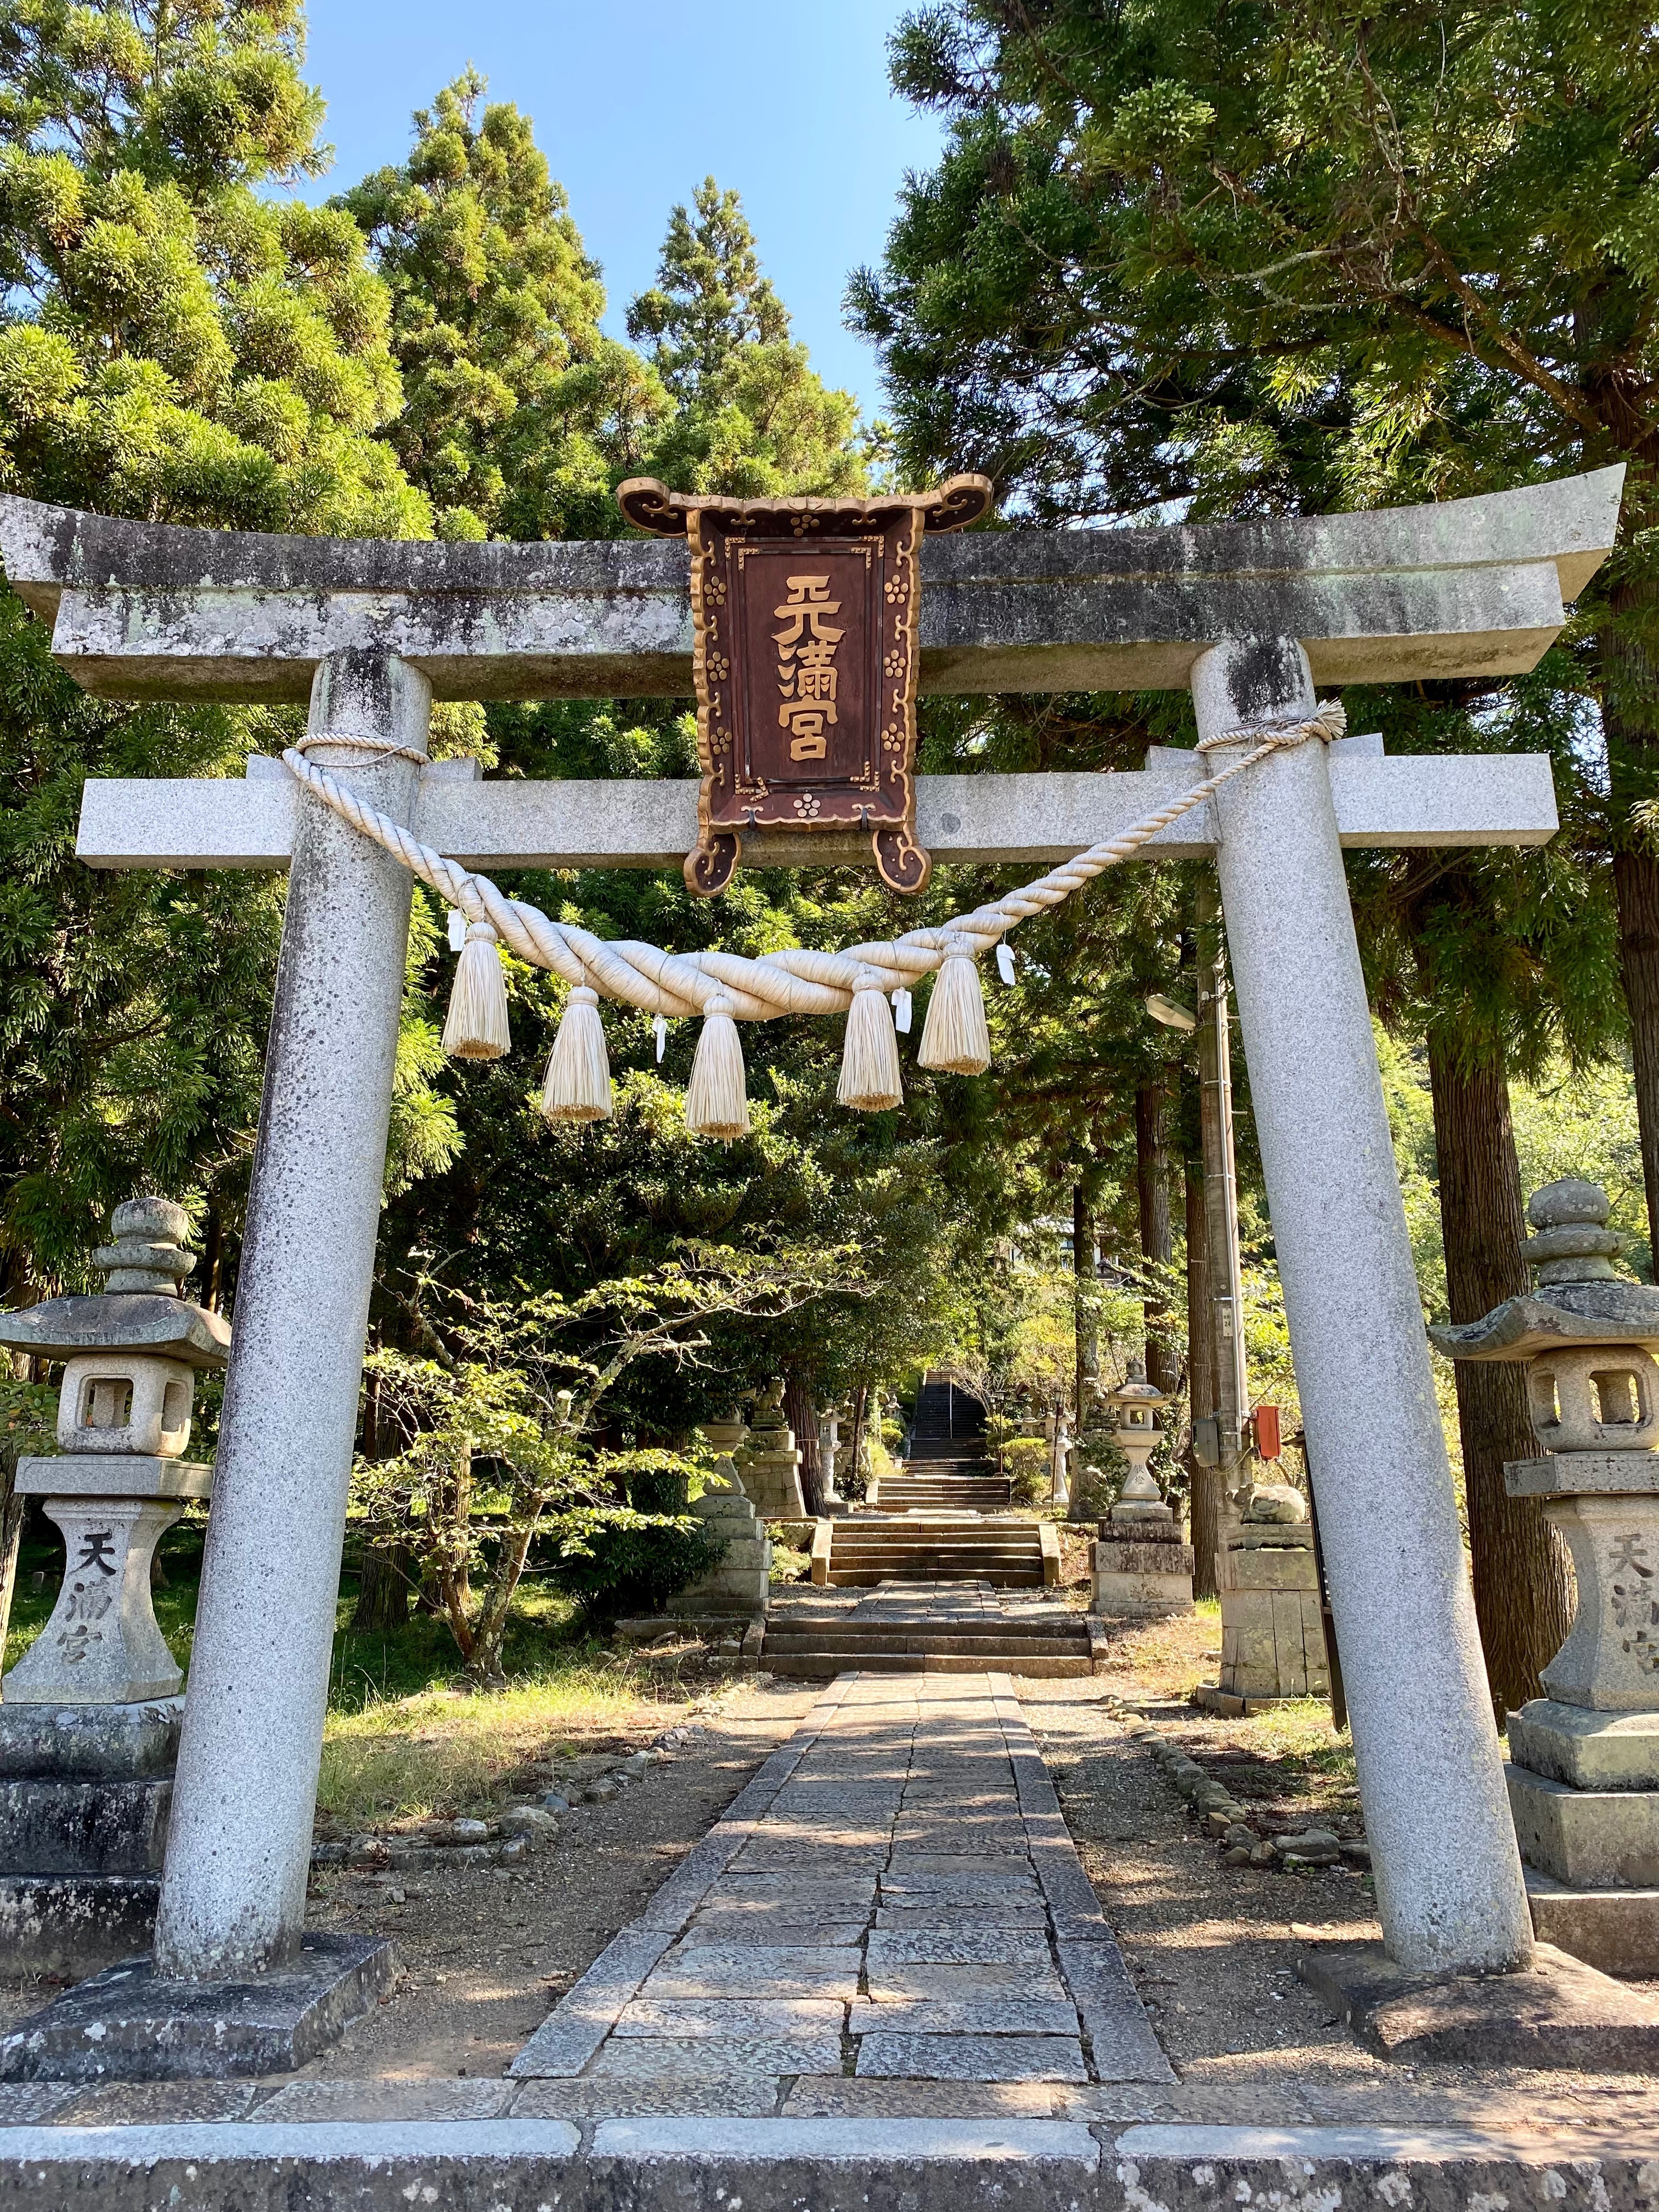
794	981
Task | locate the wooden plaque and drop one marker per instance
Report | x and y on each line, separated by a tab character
806	627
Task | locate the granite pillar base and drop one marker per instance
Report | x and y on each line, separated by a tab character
132	2024
1272	1640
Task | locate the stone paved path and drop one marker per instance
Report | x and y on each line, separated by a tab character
895	1894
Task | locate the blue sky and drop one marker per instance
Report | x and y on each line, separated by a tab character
636	102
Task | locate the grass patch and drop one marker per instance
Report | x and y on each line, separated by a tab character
405	1738
443	1751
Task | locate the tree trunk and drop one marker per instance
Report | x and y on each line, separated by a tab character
856	1456
803	1417
1629	687
1523	1589
454	1561
1636	890
384	1589
483	1660
12	1507
1152	1190
1205	1482
1083	1275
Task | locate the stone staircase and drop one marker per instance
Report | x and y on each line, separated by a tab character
912	1629
945	1469
925	1489
865	1549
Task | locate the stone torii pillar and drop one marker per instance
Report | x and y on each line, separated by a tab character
1251	615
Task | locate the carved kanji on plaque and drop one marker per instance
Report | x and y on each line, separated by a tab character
806	617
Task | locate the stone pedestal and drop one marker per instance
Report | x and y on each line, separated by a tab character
85	1792
1272	1642
1583	1769
741	1583
769	1467
101	1643
90	1722
1141	1573
1583	1766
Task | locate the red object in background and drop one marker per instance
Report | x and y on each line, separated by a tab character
1267	1445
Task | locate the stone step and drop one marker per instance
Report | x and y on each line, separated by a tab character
937	1566
872	1578
908	1544
817	1666
939	1521
961	1496
892	1637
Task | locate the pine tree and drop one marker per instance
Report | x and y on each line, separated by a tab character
176	343
520	415
1304	256
751	418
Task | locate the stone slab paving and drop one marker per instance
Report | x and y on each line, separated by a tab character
894	1896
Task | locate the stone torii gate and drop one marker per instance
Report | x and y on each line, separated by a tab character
1250	616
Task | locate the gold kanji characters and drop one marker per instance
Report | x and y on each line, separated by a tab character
806	670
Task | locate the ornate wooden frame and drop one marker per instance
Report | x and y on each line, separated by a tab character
765	753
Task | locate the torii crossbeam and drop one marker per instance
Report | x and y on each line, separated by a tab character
1250	616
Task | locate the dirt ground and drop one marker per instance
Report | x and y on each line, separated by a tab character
1212	1947
487	1950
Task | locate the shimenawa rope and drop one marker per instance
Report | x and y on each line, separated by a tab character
725	988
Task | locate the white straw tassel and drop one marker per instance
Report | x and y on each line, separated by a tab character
954	1035
475	1026
578	1085
869	1060
716	1104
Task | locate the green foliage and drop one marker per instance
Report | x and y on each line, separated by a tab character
1237	252
175	344
1026	1462
617	1561
131	1006
518	414
751	418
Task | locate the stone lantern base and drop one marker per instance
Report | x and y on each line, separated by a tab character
740	1586
1273	1641
1584	1764
85	1792
89	1725
1142	1570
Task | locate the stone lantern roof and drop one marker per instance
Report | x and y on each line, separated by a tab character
1135	1394
1579	1300
141	1310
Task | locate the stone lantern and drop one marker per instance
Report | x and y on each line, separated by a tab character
770	1468
737	1590
1584	1771
828	1452
90	1717
1143	1565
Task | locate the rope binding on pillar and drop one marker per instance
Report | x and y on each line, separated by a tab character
725	988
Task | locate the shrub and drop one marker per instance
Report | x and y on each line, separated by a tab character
614	1560
1096	1481
658	1482
1025	1462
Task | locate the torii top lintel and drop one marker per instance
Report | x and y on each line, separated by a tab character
1468	587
